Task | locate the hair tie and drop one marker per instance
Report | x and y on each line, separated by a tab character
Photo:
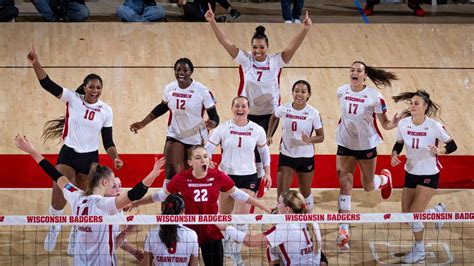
169	205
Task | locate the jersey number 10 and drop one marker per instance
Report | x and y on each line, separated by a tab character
89	115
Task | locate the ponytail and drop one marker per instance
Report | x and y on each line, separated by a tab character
53	129
173	205
432	109
295	201
97	172
378	76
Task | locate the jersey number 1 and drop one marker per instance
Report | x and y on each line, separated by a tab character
415	143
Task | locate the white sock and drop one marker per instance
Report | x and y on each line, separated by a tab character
419	245
379	181
344	227
309	203
53	211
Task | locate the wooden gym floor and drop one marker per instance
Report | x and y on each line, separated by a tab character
135	62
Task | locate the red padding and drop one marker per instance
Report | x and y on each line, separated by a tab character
21	171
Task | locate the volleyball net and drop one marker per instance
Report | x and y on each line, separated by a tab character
375	238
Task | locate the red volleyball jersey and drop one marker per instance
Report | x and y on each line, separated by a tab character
201	197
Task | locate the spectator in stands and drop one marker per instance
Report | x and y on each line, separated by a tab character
412	4
140	11
62	10
195	10
292	15
8	10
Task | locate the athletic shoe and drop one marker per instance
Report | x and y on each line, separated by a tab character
419	12
235	254
369	7
226	243
386	190
51	237
72	241
297	21
342	240
234	14
440	208
288	21
222	18
414	256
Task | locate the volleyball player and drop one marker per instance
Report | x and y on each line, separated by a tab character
96	243
172	244
185	98
200	188
299	119
238	138
287	243
357	136
260	71
86	117
419	134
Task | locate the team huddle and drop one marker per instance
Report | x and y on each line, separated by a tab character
194	184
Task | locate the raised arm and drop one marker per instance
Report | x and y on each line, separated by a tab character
140	189
158	111
43	78
221	37
295	43
25	145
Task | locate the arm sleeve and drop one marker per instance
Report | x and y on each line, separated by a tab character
68	95
317	121
71	194
51	86
160	109
107	138
243	58
279	111
107	204
215	137
279	60
276	235
212	114
208	100
442	133
380	106
399	132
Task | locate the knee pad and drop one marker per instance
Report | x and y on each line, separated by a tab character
417	227
344	202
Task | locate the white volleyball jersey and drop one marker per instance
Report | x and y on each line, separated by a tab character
260	81
84	121
238	145
295	123
187	106
181	251
95	244
420	160
357	128
293	244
